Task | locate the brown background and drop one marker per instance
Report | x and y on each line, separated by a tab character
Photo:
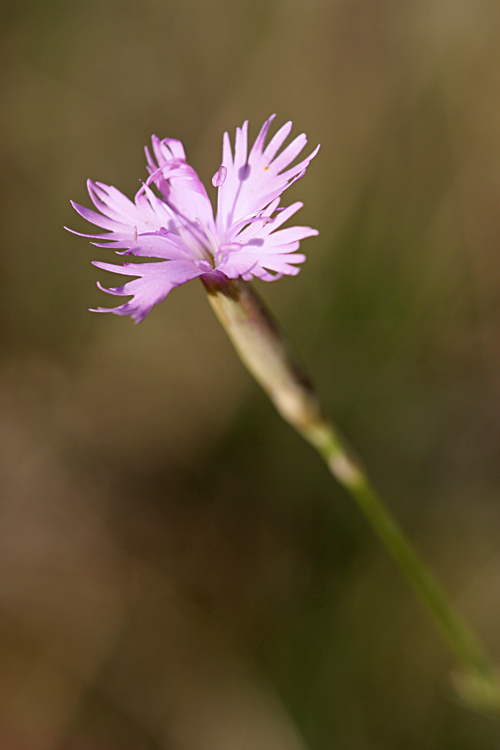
177	570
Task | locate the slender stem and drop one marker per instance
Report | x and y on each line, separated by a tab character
265	352
480	685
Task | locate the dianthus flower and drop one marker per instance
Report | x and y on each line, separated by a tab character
178	227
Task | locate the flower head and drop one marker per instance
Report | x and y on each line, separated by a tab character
176	223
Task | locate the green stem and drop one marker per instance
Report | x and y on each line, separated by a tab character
265	352
480	685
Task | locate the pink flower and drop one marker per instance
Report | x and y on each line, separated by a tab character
178	226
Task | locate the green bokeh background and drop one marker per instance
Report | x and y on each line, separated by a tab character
177	569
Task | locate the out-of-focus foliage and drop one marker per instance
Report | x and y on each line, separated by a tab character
177	570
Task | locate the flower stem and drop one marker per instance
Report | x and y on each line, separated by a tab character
479	683
263	349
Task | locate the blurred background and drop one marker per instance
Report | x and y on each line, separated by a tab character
177	569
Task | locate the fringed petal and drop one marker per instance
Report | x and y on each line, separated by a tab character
252	183
248	240
154	282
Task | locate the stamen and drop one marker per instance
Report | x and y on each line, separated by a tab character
219	177
211	239
229	247
204	265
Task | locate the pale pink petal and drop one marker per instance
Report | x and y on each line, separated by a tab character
248	241
241	145
180	186
257	261
265	247
277	140
252	183
289	235
155	281
261	138
146	213
94	218
146	227
289	153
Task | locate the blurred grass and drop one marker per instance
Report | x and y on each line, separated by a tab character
172	557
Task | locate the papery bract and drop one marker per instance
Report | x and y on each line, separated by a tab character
177	225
